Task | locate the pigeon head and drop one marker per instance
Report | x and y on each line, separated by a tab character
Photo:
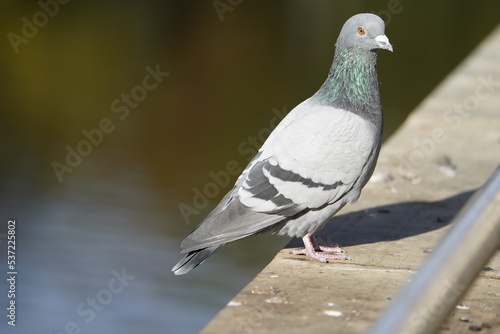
352	83
364	32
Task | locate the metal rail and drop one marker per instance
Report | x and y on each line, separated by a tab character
450	269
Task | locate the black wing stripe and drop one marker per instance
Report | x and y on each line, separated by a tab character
289	176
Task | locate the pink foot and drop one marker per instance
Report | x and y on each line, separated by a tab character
320	253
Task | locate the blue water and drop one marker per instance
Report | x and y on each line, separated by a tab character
75	239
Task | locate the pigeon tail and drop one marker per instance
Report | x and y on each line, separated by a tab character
193	259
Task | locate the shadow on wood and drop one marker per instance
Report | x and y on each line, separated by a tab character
388	222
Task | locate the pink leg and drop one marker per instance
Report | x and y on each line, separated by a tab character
320	253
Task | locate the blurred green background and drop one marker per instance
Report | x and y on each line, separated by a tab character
118	208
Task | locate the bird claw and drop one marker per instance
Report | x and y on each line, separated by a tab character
320	256
320	253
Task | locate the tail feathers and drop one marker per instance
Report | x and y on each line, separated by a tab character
194	259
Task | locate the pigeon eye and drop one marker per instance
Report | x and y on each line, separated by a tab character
361	31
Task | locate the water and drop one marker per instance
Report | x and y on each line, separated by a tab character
96	244
72	239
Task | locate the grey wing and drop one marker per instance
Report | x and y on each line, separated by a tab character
232	220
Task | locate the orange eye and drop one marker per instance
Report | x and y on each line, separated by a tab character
361	31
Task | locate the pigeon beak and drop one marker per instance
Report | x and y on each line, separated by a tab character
383	42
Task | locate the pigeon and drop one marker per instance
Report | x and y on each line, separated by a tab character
316	160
